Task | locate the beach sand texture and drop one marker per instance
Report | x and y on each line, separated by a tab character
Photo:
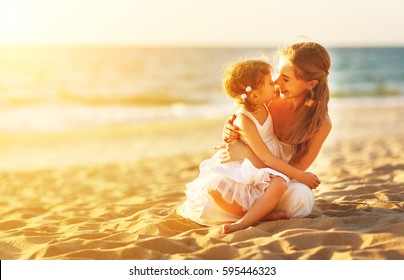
101	194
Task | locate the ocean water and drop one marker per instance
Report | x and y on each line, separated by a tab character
55	89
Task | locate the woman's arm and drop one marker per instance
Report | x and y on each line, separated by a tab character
238	150
260	149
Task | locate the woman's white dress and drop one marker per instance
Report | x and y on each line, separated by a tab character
237	181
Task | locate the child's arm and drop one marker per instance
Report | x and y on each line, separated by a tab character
260	149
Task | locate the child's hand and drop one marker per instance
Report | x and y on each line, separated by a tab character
233	151
310	180
230	131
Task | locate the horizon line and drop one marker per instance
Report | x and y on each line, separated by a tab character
207	46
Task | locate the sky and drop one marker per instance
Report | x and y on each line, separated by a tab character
231	23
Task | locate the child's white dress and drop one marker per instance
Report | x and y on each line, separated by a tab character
237	181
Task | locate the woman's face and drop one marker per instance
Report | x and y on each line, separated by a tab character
289	85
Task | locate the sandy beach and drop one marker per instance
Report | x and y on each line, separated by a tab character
101	194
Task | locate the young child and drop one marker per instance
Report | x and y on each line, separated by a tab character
226	192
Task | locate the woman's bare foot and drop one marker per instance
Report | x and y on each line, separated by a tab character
276	215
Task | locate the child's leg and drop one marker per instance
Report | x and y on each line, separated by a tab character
264	205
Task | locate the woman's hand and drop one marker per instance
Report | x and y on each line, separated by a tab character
309	179
230	131
233	151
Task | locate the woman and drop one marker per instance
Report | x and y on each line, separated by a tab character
239	183
300	119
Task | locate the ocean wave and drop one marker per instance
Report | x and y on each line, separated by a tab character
378	91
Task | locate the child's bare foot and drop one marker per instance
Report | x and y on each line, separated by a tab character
276	215
227	228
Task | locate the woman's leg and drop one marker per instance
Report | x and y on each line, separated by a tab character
261	207
297	201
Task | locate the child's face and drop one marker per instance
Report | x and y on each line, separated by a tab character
267	91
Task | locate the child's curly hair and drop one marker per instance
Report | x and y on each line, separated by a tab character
239	76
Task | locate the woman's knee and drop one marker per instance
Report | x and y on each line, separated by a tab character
301	191
298	200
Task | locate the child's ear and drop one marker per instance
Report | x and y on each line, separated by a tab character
253	96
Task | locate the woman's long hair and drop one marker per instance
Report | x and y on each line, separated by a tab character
311	61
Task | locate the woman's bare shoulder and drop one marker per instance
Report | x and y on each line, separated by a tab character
324	130
327	124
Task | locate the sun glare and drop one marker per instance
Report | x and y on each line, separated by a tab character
14	21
